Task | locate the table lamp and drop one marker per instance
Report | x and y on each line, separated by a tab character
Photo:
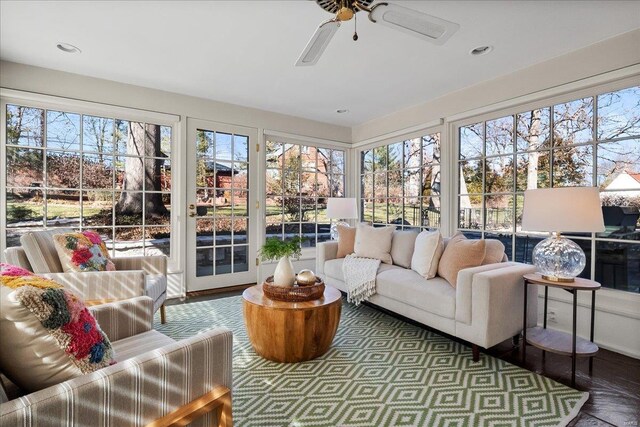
340	209
567	209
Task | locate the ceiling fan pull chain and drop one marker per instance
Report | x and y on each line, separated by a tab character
355	28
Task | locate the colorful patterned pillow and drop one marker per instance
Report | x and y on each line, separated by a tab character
83	252
48	335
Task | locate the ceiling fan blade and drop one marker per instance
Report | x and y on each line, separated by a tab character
419	24
318	43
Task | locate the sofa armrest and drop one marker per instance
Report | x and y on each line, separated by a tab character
134	392
148	264
122	319
464	289
101	285
497	305
325	251
17	256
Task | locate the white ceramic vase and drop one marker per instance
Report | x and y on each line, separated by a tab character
284	274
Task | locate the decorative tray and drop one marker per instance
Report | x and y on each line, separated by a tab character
294	293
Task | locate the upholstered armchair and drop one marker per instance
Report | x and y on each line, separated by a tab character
135	276
156	380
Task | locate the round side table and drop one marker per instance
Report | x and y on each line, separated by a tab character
291	331
556	341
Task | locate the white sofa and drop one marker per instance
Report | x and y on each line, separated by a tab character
484	309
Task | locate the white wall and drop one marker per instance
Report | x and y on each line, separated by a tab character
613	54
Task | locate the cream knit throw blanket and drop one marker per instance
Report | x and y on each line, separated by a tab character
360	277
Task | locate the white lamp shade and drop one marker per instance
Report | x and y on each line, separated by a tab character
342	208
567	209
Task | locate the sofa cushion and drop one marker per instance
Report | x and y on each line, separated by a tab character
402	245
41	251
460	253
434	295
48	335
494	252
374	242
427	253
84	251
346	240
136	345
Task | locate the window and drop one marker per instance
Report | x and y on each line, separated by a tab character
86	172
299	181
592	141
400	183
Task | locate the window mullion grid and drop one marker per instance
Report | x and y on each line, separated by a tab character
81	184
594	181
233	200
514	186
483	165
45	191
113	191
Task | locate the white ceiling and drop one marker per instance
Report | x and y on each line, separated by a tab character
242	52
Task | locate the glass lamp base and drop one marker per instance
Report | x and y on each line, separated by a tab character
334	229
559	259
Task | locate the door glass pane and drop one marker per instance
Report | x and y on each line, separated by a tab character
222	210
240	261
223	260
240	148
204	262
223	146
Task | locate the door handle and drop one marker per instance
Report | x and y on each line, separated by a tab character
192	206
192	214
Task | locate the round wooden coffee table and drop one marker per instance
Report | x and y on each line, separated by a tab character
291	331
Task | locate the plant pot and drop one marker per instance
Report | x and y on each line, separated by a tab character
284	274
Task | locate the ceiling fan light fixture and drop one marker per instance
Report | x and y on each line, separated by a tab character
422	25
344	14
318	43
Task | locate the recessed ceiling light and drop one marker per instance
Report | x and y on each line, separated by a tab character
68	48
481	50
342	110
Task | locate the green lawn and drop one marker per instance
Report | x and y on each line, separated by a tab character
26	211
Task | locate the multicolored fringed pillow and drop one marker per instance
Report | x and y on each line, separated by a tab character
83	252
48	335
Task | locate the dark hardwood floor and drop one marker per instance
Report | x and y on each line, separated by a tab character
614	387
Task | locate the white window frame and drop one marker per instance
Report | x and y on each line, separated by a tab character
34	100
445	166
553	97
284	137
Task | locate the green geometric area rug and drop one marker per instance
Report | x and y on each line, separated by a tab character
380	371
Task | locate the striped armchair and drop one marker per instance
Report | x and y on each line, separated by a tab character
135	276
157	381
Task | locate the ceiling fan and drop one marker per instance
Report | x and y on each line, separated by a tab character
427	27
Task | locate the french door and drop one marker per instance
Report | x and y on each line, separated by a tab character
221	220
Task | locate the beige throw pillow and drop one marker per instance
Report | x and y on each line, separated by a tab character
494	253
402	245
459	254
346	240
374	242
426	255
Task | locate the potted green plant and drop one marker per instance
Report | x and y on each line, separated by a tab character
274	249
